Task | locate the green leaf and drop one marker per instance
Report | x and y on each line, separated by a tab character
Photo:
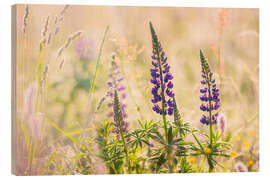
184	143
170	135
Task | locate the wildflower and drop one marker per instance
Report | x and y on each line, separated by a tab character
161	79
238	138
151	144
257	160
213	46
29	101
32	119
252	132
221	120
208	151
120	125
85	48
245	144
223	19
234	154
115	85
210	94
192	160
240	167
250	163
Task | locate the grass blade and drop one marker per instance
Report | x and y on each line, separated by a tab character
67	135
93	84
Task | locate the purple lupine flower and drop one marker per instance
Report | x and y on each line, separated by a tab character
221	120
151	144
240	167
115	84
210	94
85	48
161	79
119	124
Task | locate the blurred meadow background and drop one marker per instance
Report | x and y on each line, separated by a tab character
70	112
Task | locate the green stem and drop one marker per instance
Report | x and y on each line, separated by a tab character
162	99
169	159
126	151
210	121
164	116
210	113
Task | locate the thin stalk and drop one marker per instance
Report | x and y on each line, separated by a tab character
169	159
126	150
157	48
39	75
162	99
210	119
93	83
210	116
164	116
196	139
220	68
129	89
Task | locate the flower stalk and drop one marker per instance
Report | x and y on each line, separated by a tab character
119	122
161	78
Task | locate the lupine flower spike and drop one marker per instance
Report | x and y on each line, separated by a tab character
210	94
115	85
119	122
161	79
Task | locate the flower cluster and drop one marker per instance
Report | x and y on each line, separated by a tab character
115	85
161	78
210	94
85	48
119	124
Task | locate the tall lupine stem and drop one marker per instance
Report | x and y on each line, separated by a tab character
161	78
119	122
211	97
